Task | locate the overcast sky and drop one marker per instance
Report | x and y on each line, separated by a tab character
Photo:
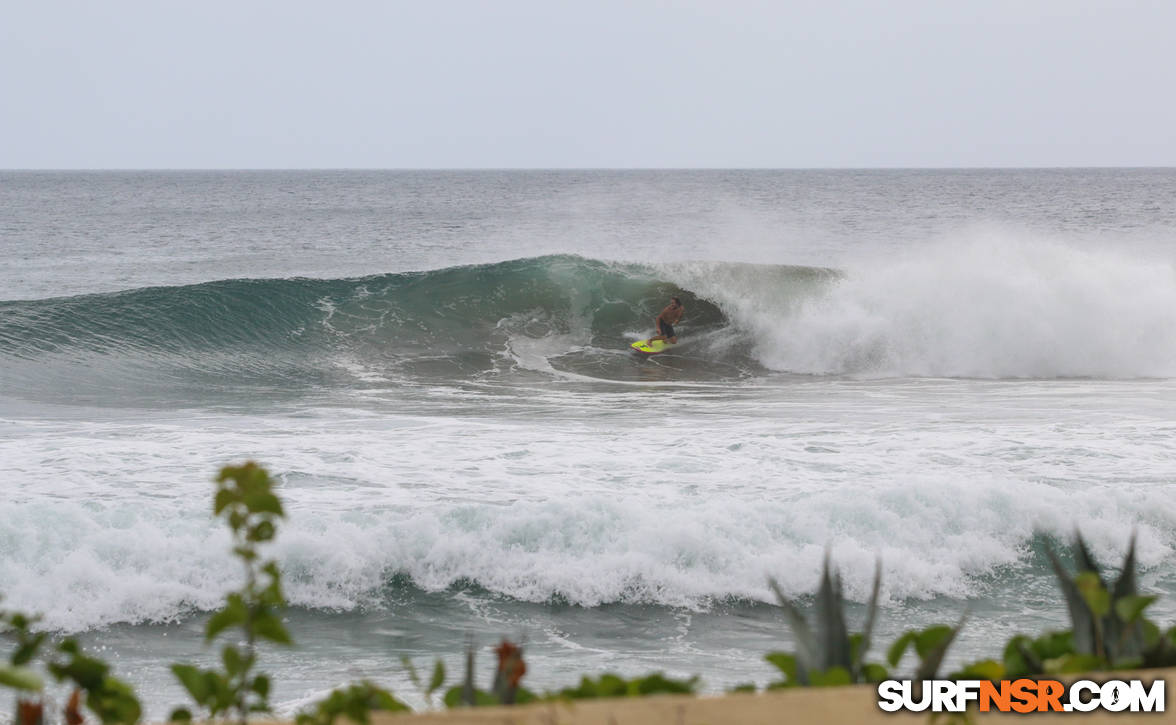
516	83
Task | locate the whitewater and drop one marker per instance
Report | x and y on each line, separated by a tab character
943	371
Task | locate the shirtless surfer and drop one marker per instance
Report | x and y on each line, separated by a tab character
667	319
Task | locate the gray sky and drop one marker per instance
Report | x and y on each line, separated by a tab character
544	83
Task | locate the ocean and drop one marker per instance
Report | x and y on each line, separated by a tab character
944	370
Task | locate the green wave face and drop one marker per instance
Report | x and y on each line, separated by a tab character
294	334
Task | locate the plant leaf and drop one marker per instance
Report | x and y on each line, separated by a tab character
1125	585
271	628
232	614
410	668
832	633
261	685
20	678
871	614
1097	598
936	648
982	670
438	678
874	673
896	650
1084	559
1130	608
1081	618
784	662
832	677
193	681
806	642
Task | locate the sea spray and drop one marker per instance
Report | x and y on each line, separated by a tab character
989	308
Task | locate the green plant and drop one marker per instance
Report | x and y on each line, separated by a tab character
1098	629
17	674
110	699
930	645
506	689
1107	622
245	499
435	681
355	702
1108	627
610	685
826	652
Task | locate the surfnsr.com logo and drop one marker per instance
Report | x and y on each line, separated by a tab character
1021	695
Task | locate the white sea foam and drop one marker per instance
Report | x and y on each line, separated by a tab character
681	509
985	305
933	537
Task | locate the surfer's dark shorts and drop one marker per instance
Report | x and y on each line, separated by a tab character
666	328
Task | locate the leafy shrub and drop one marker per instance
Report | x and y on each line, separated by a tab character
356	703
609	685
110	699
245	499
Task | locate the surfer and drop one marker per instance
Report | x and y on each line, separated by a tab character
667	319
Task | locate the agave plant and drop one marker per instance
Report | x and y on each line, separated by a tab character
826	652
1107	620
1108	627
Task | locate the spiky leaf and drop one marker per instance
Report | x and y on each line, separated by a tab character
1125	585
1080	615
806	641
438	678
1083	557
831	631
1094	594
863	644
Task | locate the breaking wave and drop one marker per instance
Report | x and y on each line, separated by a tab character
982	310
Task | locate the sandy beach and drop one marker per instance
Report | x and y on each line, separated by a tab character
856	705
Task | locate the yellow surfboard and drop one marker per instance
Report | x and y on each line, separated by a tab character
646	347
